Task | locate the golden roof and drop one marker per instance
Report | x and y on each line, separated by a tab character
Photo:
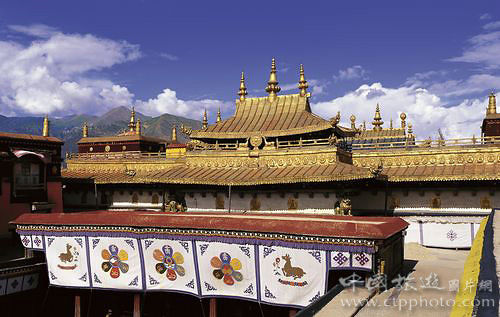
243	176
468	172
286	115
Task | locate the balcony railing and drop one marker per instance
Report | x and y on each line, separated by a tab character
118	156
409	144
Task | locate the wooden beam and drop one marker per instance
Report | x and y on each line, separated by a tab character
213	307
137	305
77	306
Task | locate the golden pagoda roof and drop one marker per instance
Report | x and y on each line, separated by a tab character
242	176
286	115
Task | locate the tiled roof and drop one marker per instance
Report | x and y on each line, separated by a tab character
120	138
29	137
287	115
443	172
228	176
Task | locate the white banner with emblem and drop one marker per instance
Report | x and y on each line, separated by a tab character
292	277
67	261
169	265
227	269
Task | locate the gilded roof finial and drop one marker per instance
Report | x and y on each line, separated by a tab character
353	121
138	127
410	129
204	123
390	125
174	134
377	120
402	116
302	82
272	85
492	104
85	129
131	125
219	119
364	125
46	126
243	89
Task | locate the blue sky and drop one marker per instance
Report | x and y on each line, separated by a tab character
435	60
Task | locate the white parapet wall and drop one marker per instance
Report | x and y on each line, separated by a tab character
451	232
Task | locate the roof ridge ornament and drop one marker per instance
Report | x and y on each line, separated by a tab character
353	122
402	116
272	85
303	85
204	122
243	89
492	104
219	119
46	126
173	136
131	125
138	127
377	120
85	132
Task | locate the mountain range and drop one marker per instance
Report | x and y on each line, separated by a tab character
69	128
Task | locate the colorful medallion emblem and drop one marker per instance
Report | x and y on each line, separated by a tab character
114	261
169	262
227	268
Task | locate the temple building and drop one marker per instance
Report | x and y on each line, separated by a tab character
275	154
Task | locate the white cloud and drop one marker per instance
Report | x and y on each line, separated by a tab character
50	75
485	16
483	49
36	30
350	73
170	57
425	110
167	102
317	87
492	25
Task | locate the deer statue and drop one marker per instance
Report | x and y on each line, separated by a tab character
68	256
290	271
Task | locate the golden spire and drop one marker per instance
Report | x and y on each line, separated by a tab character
410	129
204	123
138	127
243	89
131	125
85	130
46	126
364	125
272	85
174	134
302	82
402	116
219	119
390	125
377	120
353	121
492	104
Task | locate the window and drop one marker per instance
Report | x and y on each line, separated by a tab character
28	175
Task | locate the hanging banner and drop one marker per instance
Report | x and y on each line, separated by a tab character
227	269
169	265
67	261
340	260
292	277
115	263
